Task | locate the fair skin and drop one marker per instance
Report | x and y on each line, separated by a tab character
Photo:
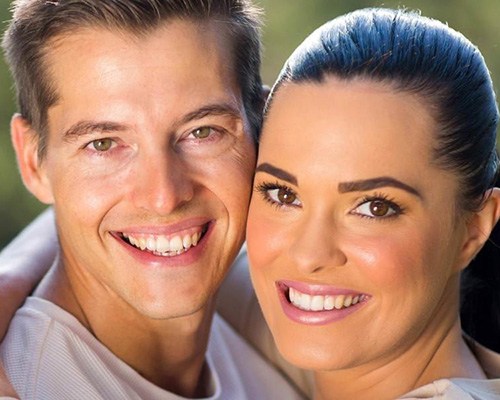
355	242
137	145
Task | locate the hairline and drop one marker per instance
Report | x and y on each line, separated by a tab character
136	33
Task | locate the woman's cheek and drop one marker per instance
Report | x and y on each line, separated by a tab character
266	237
387	261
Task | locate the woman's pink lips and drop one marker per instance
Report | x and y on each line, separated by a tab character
315	317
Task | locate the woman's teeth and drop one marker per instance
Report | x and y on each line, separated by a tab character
320	303
162	245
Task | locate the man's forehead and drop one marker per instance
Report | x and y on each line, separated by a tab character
101	75
178	45
175	32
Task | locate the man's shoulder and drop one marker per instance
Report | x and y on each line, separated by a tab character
47	353
27	341
241	370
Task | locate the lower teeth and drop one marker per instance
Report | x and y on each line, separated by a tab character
169	253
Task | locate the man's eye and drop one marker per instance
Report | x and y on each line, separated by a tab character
101	145
202	133
378	208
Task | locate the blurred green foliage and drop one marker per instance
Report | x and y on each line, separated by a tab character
287	23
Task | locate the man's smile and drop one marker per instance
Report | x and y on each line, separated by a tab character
166	245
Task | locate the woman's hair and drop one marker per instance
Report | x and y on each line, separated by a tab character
424	57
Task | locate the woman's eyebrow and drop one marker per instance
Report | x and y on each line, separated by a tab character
374	183
277	172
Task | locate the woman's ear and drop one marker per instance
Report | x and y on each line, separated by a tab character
479	226
26	141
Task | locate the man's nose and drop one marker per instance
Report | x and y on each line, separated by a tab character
316	245
163	182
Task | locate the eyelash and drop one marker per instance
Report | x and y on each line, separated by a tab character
390	202
215	133
95	152
265	187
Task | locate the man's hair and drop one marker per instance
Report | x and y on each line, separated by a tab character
37	23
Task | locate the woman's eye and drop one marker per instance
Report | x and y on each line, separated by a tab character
101	145
377	208
283	196
202	133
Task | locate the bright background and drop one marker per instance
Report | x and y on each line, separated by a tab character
287	23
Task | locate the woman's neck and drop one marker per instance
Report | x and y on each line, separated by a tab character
442	355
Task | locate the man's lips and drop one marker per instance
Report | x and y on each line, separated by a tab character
164	244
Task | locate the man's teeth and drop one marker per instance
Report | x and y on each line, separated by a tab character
163	245
319	303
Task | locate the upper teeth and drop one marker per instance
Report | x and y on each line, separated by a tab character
164	245
309	302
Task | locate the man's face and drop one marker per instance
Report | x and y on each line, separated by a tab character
149	164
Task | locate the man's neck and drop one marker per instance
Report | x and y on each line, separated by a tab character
167	352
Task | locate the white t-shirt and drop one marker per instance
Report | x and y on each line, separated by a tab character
49	355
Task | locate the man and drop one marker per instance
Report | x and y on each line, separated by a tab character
138	121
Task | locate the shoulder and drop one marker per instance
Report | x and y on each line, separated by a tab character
488	359
457	389
241	371
23	348
47	353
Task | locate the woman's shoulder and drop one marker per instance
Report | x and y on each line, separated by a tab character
465	388
457	389
488	359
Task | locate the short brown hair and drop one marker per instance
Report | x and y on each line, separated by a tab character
36	22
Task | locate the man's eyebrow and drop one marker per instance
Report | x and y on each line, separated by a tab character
224	109
277	172
374	183
82	128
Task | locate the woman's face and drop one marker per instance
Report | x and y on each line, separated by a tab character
352	234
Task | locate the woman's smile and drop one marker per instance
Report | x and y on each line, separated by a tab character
317	304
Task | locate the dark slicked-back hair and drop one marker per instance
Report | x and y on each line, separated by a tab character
425	57
36	23
420	56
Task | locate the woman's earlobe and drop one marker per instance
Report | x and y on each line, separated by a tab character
480	226
25	142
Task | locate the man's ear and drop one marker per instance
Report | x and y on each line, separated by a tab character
479	227
25	141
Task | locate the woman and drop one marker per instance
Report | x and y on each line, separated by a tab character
374	189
